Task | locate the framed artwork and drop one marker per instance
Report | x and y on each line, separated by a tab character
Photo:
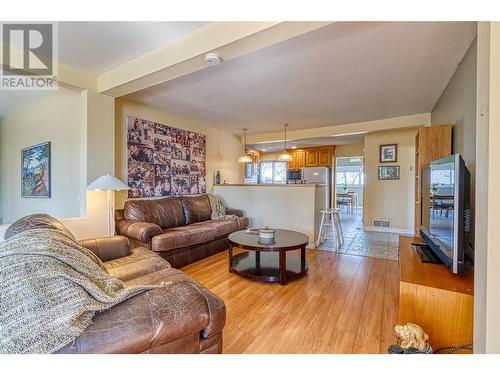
388	172
35	171
389	153
163	160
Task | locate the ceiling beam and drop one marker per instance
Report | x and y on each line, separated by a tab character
411	121
186	55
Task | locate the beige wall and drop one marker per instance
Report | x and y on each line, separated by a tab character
457	106
223	149
390	199
269	156
349	150
55	117
80	124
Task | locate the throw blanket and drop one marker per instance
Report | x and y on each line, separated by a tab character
218	209
50	288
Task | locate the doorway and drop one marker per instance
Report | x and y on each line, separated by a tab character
349	182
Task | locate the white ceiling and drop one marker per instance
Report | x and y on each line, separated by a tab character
100	46
343	73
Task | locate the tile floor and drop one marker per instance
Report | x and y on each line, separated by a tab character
358	241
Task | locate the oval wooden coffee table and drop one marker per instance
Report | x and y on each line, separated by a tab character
269	262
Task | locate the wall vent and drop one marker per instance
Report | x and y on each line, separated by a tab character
381	223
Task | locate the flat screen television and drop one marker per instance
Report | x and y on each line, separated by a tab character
445	204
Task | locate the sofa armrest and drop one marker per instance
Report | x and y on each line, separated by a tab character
108	248
137	230
148	320
234	211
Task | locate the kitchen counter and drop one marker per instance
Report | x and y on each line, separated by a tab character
280	206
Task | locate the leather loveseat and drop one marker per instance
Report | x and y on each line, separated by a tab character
179	229
182	317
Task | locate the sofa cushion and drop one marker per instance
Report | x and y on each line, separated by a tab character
164	212
196	208
221	227
215	305
35	221
243	223
108	248
142	262
176	238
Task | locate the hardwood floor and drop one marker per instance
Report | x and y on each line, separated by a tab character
346	304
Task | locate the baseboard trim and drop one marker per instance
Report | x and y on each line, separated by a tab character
390	230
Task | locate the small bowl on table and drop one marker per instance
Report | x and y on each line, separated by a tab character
266	236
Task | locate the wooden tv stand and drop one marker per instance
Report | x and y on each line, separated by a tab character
431	296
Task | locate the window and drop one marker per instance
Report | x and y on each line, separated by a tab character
272	172
350	171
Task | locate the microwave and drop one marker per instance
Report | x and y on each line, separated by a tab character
294	174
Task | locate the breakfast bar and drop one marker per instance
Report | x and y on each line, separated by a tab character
294	207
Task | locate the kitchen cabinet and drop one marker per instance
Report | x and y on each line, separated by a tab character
300	159
312	157
325	157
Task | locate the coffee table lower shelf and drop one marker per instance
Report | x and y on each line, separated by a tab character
265	266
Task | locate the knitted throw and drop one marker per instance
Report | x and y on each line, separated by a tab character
50	288
218	209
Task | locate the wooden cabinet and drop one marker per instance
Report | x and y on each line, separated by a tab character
431	143
311	158
324	157
300	161
430	295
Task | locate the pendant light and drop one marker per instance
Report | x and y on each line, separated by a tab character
245	158
285	156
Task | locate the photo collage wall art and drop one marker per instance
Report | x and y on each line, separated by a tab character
163	160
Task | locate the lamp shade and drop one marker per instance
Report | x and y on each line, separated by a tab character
107	182
245	159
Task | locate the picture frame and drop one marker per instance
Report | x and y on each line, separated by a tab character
36	171
388	172
163	160
388	153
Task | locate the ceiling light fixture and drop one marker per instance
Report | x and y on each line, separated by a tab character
285	156
212	59
245	158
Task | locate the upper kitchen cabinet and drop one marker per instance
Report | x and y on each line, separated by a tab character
325	156
312	157
300	159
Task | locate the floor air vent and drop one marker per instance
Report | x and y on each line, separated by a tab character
381	223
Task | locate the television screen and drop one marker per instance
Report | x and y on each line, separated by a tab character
438	200
445	220
442	201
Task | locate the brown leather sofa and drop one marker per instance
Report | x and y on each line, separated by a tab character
179	229
182	317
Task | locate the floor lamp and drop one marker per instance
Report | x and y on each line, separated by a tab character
110	184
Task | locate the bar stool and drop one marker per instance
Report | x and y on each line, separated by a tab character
330	218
